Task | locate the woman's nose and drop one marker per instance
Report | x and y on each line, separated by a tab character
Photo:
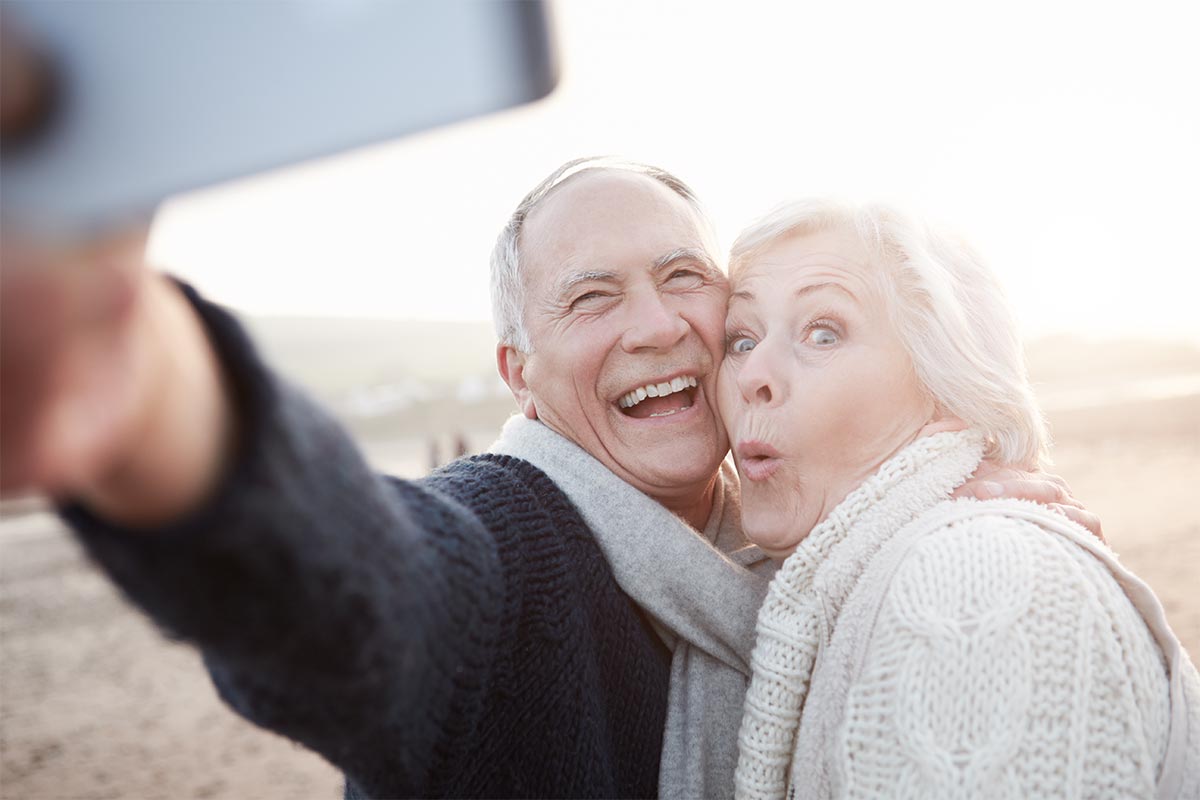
756	379
653	325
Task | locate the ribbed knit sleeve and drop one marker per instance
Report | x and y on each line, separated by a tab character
353	613
1005	662
457	636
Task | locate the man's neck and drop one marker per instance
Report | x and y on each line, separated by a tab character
694	508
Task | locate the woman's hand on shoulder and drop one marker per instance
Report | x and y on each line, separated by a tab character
992	480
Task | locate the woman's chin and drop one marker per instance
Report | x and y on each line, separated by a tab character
777	533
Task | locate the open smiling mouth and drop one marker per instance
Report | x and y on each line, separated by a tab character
659	399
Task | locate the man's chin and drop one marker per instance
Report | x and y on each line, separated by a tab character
678	450
673	466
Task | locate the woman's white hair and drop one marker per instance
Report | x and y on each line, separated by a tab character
507	287
948	309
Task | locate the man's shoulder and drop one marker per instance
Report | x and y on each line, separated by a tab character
488	470
492	479
507	494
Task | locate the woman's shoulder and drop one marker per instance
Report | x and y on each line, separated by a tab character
1012	565
999	631
1024	535
1015	571
1014	545
969	558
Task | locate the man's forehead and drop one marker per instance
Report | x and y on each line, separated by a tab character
607	219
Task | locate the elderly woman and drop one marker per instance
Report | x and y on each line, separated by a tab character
910	645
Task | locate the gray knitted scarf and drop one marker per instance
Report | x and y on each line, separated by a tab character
702	590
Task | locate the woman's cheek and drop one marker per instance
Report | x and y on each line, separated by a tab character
726	401
830	412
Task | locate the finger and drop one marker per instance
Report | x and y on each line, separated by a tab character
52	288
992	483
1035	489
1039	491
1082	517
980	490
988	471
1068	498
1056	479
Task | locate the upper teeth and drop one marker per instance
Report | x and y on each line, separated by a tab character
655	390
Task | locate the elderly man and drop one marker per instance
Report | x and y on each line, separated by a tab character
543	620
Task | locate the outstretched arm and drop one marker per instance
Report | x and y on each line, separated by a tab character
352	613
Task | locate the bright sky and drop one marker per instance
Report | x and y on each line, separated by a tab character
1062	138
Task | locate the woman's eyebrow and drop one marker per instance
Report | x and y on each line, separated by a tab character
813	287
804	291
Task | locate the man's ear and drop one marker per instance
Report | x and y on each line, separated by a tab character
511	363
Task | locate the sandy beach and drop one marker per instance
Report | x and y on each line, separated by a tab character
95	703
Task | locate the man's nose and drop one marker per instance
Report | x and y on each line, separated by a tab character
758	381
653	324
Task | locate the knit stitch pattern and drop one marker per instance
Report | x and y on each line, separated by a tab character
997	660
995	671
458	636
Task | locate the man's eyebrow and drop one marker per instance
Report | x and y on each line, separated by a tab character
684	254
696	254
572	280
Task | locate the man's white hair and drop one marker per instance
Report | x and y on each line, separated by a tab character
507	286
948	309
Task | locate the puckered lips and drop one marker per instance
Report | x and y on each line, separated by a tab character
662	398
757	460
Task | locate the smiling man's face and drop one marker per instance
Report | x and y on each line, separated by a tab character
625	311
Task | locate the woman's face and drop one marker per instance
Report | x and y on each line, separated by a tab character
816	389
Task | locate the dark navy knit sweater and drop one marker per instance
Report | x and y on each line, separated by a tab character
460	635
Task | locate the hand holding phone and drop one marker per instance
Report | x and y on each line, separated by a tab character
135	101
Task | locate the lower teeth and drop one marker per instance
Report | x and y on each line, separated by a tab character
669	413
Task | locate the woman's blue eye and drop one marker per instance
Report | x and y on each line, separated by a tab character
741	344
823	336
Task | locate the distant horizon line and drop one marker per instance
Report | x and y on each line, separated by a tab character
1192	338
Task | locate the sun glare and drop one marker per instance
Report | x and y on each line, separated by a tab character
1062	140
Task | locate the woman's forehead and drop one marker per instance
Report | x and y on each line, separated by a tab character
837	244
809	265
771	275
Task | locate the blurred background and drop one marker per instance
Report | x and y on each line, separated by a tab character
1061	138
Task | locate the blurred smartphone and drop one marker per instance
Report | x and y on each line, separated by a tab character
153	98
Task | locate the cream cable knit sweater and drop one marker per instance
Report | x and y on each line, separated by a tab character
918	647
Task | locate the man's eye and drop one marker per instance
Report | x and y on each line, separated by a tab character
741	344
586	298
822	336
686	277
